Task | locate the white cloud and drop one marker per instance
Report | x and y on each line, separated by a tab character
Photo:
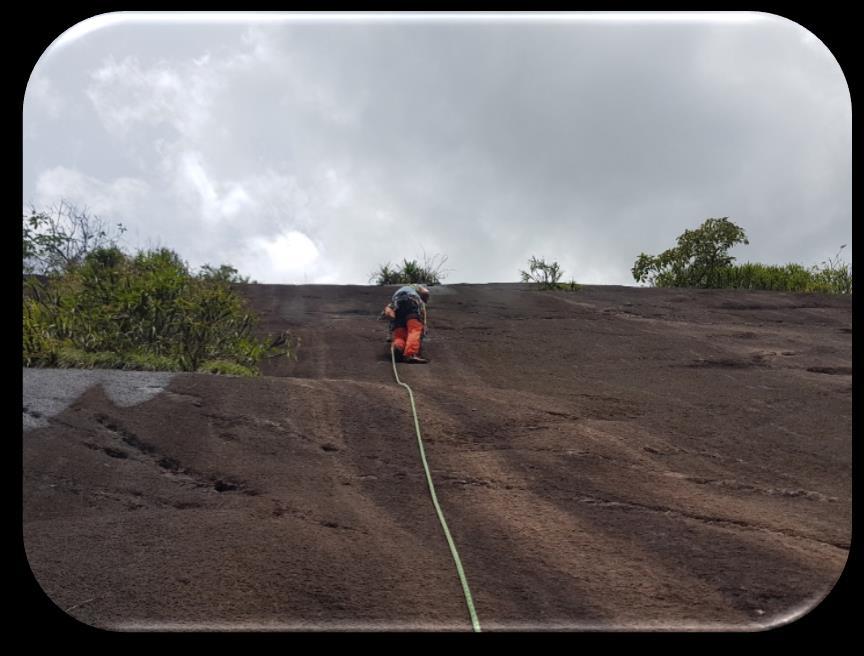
117	199
289	257
127	96
42	94
213	201
317	151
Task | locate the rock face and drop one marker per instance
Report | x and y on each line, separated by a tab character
613	458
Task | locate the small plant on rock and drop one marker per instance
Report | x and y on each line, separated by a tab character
547	275
430	272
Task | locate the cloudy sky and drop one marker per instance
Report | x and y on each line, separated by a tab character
303	148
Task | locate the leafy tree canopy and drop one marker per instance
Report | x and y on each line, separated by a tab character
697	261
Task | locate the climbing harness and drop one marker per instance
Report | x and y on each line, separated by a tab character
474	621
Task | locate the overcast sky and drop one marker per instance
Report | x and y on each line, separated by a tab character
314	149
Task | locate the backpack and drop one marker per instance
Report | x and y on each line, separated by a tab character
407	302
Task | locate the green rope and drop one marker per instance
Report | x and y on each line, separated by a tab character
474	621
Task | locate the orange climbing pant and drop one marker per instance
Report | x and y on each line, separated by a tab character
407	340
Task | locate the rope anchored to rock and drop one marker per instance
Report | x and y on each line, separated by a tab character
468	599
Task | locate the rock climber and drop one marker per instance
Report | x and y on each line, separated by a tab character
407	314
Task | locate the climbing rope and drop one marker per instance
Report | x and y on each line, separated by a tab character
474	621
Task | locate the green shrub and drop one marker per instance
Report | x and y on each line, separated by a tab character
698	260
60	237
701	260
69	357
226	367
787	278
223	273
40	345
547	276
147	312
835	274
144	361
429	273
